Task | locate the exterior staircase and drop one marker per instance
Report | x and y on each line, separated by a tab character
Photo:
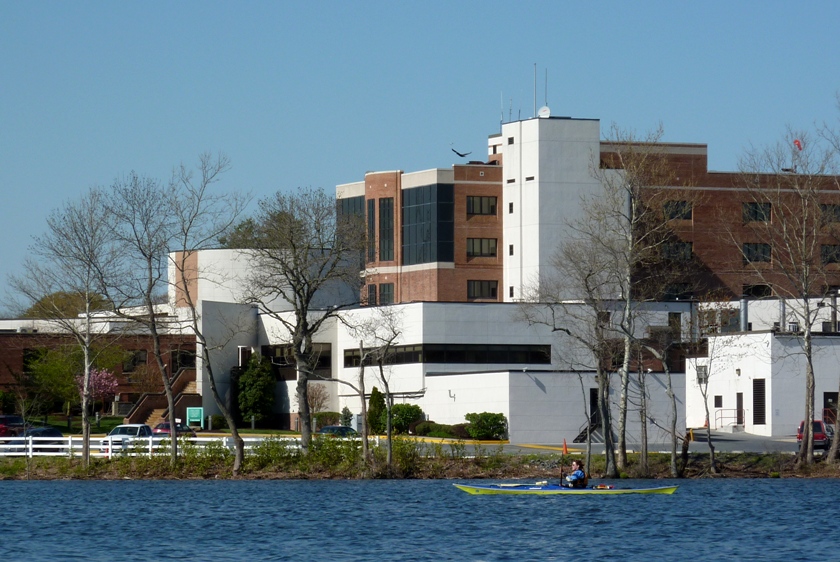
152	407
156	417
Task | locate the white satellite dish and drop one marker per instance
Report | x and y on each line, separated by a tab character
544	112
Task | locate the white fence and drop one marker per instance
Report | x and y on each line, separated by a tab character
104	447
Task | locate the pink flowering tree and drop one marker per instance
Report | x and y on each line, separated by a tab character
103	384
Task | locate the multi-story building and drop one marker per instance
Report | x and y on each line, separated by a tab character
487	231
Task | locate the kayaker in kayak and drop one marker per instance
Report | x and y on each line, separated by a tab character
577	479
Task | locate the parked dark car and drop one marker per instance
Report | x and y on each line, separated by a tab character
180	429
40	443
11	425
822	434
338	431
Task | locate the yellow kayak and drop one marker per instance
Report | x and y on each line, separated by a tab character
544	489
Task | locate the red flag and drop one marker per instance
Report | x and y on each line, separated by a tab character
797	143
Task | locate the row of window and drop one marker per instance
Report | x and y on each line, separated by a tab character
756	252
752	252
458	353
753	211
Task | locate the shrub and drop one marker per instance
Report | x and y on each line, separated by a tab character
218	421
323	419
486	425
459	431
376	412
273	452
403	415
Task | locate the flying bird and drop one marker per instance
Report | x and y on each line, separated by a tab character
461	154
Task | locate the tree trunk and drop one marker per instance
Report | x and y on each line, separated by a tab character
643	455
610	470
303	406
806	450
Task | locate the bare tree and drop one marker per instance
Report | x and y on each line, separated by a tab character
306	260
318	397
630	221
381	333
65	260
200	218
583	324
786	237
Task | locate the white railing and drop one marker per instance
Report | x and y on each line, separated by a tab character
103	447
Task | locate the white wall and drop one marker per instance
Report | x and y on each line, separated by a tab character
736	360
557	153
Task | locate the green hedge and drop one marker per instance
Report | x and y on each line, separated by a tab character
487	425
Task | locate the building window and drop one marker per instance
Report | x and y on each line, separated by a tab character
702	374
756	252
830	213
428	224
529	178
137	358
756	212
458	353
510	291
718	401
510	140
371	300
510	207
830	253
511	180
484	247
386	229
757	291
386	293
482	289
510	250
371	230
677	251
352	206
480	205
678	210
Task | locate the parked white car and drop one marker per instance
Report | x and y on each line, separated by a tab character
121	436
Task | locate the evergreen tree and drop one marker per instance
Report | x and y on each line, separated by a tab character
256	389
346	417
376	412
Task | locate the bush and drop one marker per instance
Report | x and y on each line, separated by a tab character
422	427
218	421
460	431
323	419
403	415
487	426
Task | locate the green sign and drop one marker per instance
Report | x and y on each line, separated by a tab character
195	415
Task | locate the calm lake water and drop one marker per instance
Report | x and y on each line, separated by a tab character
413	520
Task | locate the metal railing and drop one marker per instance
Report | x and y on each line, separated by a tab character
729	417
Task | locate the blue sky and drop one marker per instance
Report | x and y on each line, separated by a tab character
318	93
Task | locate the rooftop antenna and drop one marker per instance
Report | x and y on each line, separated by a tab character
546	87
535	89
501	108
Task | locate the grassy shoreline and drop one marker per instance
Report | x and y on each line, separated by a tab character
337	459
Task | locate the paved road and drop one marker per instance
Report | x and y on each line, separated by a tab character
723	442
